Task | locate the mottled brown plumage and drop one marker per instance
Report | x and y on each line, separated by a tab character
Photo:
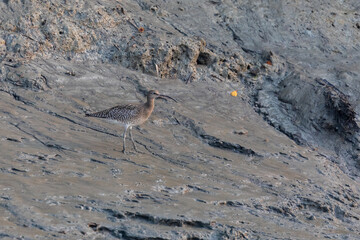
130	115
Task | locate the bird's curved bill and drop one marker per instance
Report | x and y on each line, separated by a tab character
166	97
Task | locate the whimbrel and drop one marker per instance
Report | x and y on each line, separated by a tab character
130	115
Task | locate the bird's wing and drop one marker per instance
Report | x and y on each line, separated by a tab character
121	112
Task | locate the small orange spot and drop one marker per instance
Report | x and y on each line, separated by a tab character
234	93
141	29
269	63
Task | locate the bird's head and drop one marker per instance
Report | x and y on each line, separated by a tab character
153	94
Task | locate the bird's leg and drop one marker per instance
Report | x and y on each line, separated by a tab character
130	133
124	136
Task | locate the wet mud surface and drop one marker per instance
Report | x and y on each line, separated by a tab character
278	161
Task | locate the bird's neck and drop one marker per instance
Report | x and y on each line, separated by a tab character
149	105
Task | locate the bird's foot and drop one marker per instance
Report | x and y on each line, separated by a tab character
131	153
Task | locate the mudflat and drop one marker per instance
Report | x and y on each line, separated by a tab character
277	160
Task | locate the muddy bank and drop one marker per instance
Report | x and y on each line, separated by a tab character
278	161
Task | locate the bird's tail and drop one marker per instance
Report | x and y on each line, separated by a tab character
101	114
